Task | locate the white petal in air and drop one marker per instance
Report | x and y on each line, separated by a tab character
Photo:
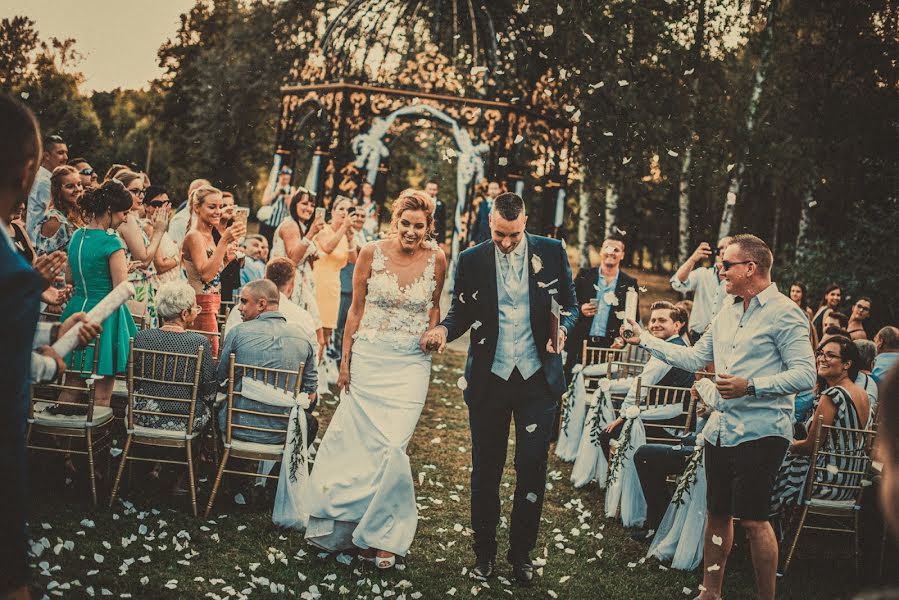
462	384
531	428
548	30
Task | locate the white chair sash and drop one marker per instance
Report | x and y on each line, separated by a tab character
679	538
574	411
590	463
624	495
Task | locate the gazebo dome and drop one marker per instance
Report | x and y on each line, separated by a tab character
470	48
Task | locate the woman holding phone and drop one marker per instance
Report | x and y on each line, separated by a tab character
204	259
294	239
336	246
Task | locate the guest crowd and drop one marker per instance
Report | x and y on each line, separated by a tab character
783	366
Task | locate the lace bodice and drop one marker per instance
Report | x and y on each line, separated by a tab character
396	315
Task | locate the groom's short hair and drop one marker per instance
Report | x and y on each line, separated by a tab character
509	205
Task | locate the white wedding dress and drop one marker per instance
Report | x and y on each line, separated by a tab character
360	492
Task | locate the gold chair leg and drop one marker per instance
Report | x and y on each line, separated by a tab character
218	481
795	540
89	438
121	470
190	477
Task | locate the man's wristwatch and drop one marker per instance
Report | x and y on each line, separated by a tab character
750	389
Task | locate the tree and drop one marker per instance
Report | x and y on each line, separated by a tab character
18	41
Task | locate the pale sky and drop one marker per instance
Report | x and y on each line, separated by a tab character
118	39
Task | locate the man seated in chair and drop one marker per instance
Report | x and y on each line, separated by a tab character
665	322
266	339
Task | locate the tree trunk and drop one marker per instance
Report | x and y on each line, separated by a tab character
804	218
583	226
683	200
761	72
611	208
683	205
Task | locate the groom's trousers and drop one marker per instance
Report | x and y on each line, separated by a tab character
533	407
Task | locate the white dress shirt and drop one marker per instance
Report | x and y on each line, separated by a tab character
708	295
652	373
767	343
293	313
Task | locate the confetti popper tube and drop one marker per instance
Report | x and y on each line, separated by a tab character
630	310
117	297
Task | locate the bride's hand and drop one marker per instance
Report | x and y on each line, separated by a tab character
343	380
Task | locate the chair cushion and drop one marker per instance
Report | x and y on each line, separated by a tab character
244	446
832	504
163	433
102	414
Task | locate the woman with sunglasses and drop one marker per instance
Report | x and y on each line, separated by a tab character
140	248
842	403
861	310
167	261
294	239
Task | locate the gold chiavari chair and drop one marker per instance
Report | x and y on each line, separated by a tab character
64	410
283	380
596	355
840	462
152	370
637	355
655	396
210	335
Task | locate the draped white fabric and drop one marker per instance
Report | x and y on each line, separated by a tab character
624	495
679	538
590	463
574	412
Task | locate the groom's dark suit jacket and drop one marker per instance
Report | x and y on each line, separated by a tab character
475	299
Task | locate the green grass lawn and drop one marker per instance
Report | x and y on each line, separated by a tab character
148	545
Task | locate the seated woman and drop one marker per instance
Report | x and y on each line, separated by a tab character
177	307
842	404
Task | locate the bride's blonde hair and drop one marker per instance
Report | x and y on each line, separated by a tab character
414	200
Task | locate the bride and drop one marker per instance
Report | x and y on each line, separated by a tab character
360	492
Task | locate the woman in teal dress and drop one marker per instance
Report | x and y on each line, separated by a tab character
97	264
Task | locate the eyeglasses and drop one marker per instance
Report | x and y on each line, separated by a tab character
86	172
139	192
828	356
726	264
863	307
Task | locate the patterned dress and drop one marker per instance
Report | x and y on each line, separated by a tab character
57	241
793	472
186	342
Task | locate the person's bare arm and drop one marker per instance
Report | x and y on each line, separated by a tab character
50	227
131	233
118	267
354	315
440	276
195	252
828	410
327	241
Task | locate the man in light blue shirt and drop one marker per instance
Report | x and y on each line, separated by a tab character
759	345
55	153
266	339
887	342
706	283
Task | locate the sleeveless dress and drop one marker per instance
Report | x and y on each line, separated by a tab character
209	299
793	472
327	280
304	284
360	492
89	251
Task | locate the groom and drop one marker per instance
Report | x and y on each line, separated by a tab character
503	292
